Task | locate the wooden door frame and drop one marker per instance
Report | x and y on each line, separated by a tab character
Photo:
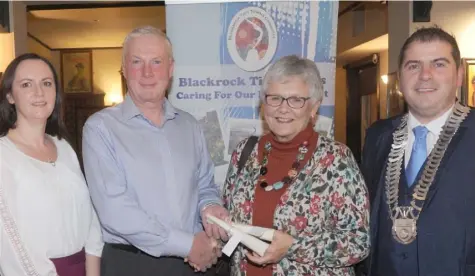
353	99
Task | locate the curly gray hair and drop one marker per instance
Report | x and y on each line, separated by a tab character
295	66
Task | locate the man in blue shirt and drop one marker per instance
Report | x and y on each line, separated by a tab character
149	172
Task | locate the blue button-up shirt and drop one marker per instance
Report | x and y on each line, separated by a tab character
148	182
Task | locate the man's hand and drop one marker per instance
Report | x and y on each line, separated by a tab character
217	249
203	252
211	229
281	242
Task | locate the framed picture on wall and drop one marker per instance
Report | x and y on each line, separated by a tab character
468	87
76	71
395	100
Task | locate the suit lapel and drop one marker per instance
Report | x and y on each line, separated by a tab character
381	161
383	146
445	161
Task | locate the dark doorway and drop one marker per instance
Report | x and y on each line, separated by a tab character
363	102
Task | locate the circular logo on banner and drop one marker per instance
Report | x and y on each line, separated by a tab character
252	39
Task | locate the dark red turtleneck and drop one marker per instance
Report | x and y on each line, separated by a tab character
281	158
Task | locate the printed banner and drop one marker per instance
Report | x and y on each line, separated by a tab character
222	51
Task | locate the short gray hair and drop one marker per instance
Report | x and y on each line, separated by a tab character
295	66
145	30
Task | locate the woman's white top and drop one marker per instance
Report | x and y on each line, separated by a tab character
45	211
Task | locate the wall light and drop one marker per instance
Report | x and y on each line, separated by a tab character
384	78
115	98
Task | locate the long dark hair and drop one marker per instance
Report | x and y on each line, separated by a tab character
8	114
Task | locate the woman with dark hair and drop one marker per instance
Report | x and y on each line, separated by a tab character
47	223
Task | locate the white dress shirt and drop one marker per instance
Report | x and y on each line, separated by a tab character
50	207
434	127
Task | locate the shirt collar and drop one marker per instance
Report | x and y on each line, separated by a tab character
434	126
130	110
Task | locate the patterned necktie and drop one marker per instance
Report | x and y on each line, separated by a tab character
418	154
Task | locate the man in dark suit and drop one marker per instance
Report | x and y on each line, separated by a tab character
420	169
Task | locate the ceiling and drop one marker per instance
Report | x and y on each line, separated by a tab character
366	49
91	27
94	2
343	5
107	26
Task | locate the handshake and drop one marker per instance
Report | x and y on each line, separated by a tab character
206	247
204	252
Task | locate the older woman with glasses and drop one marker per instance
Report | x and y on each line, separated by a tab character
306	186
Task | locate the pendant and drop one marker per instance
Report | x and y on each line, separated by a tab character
404	229
278	185
269	188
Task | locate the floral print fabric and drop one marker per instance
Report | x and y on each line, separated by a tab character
326	210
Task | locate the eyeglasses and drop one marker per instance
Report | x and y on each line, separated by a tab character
293	102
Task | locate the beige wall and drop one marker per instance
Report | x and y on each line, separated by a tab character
37	48
340	104
18	18
52	56
92	28
105	65
7	52
399	18
458	18
14	43
376	26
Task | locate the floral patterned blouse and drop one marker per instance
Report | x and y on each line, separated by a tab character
326	210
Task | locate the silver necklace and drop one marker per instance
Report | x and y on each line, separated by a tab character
53	163
405	218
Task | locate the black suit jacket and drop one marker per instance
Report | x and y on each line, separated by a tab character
446	226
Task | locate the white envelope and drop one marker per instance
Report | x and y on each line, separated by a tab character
262	233
240	236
